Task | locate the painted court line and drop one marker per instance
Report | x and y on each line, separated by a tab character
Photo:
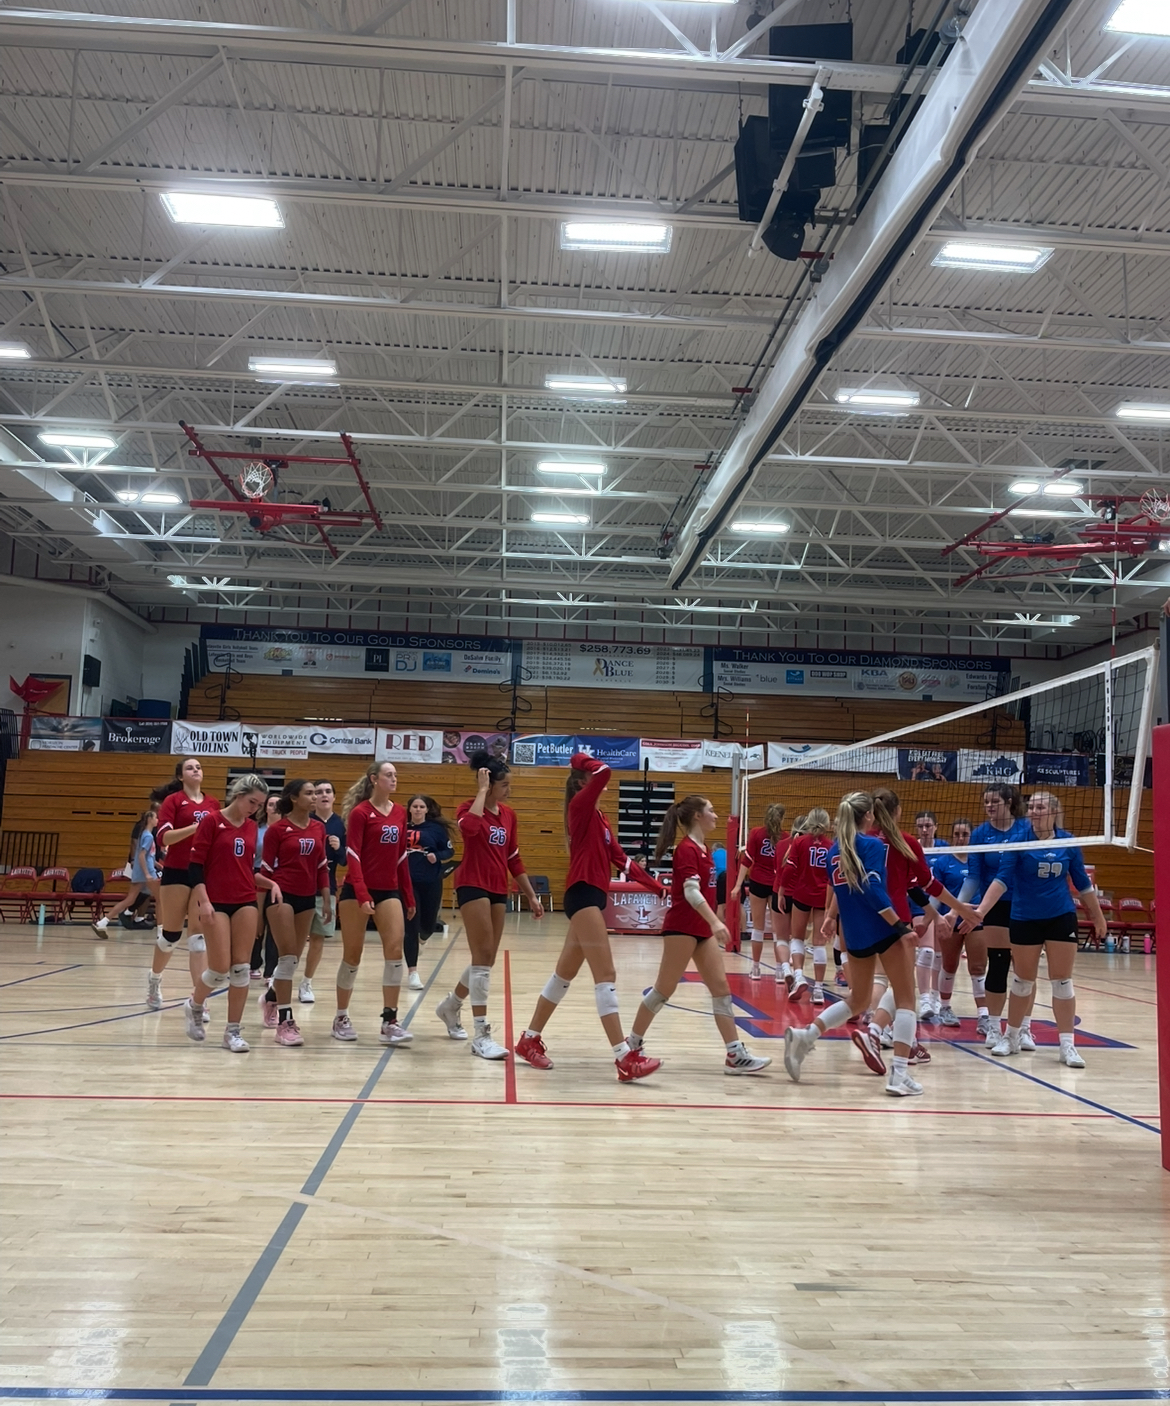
107	1020
510	1062
55	972
1117	996
510	1395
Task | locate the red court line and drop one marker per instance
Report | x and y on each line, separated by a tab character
1096	990
510	1062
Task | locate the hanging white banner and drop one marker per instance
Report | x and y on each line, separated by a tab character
664	754
294	741
721	754
819	756
409	745
207	740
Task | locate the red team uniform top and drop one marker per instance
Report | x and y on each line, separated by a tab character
376	852
691	861
593	847
226	855
178	811
804	875
761	854
903	874
491	850
295	858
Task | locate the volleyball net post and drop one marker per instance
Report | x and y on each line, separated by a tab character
732	908
1162	920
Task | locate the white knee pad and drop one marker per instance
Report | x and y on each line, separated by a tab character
346	976
167	944
286	967
605	994
479	985
721	1005
937	961
925	958
392	972
881	981
1063	990
654	1000
212	979
239	974
797	946
905	1027
465	979
758	935
819	956
196	942
887	1003
1020	987
555	989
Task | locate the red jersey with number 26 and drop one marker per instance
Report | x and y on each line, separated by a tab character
691	861
178	811
295	858
376	852
491	849
227	854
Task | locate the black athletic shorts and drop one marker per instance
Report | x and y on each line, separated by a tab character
791	903
300	902
1034	932
882	945
378	895
759	890
1000	915
467	893
173	876
582	895
721	887
673	932
231	909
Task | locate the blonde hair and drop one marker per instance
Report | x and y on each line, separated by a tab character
363	788
798	825
885	807
774	821
1054	806
817	822
851	814
242	785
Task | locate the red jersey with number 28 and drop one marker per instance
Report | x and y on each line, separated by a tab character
227	854
804	875
295	858
691	861
761	853
376	852
178	811
491	848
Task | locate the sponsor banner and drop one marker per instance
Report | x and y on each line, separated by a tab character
620	753
132	735
829	756
642	666
276	741
991	766
207	739
722	754
341	741
825	673
460	747
1056	769
662	754
409	745
927	764
356	653
53	732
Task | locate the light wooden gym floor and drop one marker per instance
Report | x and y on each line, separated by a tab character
423	1226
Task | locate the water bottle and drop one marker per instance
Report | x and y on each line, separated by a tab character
1109	943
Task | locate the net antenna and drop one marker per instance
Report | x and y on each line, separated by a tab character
256	479
1084	737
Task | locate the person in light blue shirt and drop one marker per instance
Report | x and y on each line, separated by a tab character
1043	917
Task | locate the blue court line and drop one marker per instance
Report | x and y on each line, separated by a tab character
219	1344
55	972
178	1394
83	1024
1044	1084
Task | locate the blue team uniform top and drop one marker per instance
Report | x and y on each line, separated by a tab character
862	925
950	871
983	868
1037	879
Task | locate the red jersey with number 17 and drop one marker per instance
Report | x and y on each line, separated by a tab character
691	861
295	857
376	852
226	853
177	812
491	848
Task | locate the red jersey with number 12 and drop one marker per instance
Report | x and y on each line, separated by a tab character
804	875
178	811
227	853
376	852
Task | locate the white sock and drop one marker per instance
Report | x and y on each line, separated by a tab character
480	1024
900	1063
620	1051
635	1042
1067	1040
734	1046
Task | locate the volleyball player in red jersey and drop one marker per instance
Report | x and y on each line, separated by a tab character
224	883
377	882
692	931
181	806
490	854
294	855
802	881
593	850
766	846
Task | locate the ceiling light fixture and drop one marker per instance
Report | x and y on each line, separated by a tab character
291	368
589	385
1147	17
764	529
127	495
1063	488
1150	411
1024	486
616	236
165	500
877	399
77	439
14	351
558	466
991	258
188	207
1056	622
562	519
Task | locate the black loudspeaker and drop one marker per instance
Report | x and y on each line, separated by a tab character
754	171
91	671
830	128
756	166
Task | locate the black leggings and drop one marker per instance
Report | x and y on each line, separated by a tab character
428	899
999	963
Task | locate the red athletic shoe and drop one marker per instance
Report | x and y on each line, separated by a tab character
919	1054
871	1051
531	1048
635	1065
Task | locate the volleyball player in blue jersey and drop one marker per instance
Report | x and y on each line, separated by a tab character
1044	918
950	868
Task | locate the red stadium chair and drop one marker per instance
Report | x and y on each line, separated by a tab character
116	887
14	887
49	890
1133	921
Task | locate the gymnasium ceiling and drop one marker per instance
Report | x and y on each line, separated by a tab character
423	154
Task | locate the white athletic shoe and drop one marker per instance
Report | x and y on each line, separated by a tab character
755	972
925	1009
1071	1056
1006	1045
1027	1044
154	991
799	987
818	994
742	1061
798	1043
414	982
886	1036
100	925
206	1016
994	1035
903	1086
193	1022
235	1043
946	1015
483	1045
305	992
982	1025
448	1010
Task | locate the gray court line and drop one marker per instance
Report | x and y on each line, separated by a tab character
218	1345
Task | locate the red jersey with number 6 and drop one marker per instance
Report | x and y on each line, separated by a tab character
804	875
691	861
491	848
295	858
178	811
376	852
226	853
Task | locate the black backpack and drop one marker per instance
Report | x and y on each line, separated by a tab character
88	881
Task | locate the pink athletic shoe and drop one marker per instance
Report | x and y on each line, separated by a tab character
288	1034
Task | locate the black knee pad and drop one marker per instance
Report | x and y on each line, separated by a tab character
999	963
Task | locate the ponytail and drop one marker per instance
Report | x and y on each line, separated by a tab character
774	821
362	789
816	822
885	806
168	788
680	815
851	814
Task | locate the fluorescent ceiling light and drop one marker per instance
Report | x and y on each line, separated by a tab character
1024	486
127	495
991	258
14	351
1046	513
591	385
558	466
1057	621
767	529
1063	488
188	207
77	439
291	367
619	236
1152	411
161	499
877	399
563	519
1141	17
1164	544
